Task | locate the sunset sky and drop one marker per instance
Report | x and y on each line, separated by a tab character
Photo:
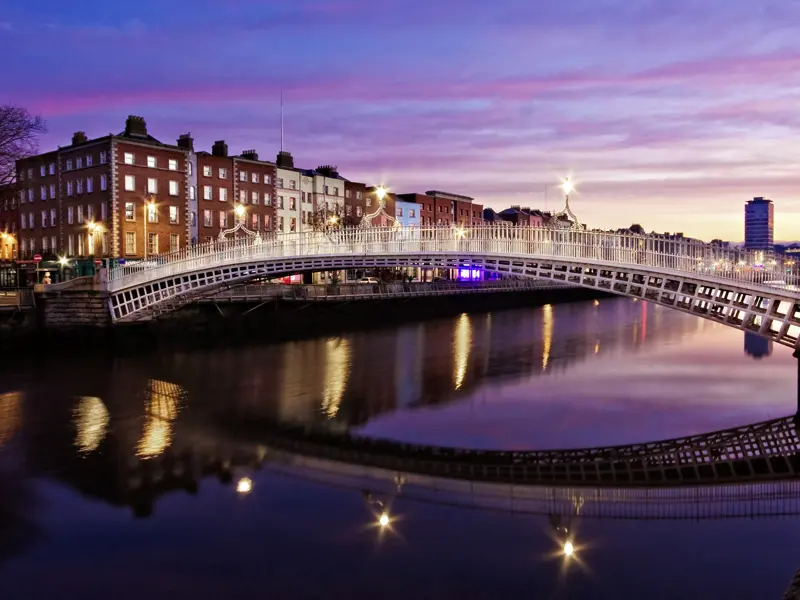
668	113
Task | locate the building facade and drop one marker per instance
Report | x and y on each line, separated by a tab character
9	217
224	182
98	198
759	224
407	213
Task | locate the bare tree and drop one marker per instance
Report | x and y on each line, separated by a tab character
331	218
18	139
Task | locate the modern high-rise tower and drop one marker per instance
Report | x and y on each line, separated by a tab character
759	224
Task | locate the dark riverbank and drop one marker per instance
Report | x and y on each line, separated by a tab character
210	325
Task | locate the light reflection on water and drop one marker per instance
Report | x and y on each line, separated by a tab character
559	376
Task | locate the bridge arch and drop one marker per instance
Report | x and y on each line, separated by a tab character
681	276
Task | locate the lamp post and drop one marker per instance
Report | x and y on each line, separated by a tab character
62	262
239	210
7	238
149	206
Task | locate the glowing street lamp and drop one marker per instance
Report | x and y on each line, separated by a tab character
333	219
567	186
383	519
460	232
380	192
244	486
239	210
569	548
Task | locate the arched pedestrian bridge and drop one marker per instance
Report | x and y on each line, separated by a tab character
735	287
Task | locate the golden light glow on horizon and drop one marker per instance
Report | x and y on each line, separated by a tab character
10	416
337	373
462	341
161	408
91	422
547	333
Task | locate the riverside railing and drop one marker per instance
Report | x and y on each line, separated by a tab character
647	251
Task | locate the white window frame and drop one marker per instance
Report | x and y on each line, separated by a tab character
174	212
152	162
173	164
208	192
130	183
152	185
174	189
129	159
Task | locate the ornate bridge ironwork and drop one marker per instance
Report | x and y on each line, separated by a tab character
766	451
733	287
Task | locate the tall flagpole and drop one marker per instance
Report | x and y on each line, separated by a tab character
281	120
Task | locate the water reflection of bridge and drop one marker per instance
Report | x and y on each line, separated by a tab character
133	450
349	379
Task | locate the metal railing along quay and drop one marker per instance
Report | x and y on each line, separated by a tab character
358	291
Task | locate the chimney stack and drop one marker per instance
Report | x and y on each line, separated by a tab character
186	142
79	137
285	160
249	154
220	148
135	126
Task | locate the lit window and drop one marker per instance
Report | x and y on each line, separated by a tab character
267	199
208	192
152	213
279	182
223	194
130	242
207	218
152	243
206	171
151	161
173	188
173	164
188	167
152	185
223	173
223	219
267	179
191	191
254	197
42	171
130	211
128	158
52	168
173	215
130	183
174	242
242	175
255	178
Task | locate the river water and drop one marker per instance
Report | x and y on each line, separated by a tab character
555	377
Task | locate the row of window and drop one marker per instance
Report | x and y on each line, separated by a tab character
70	164
129	158
152	185
224	218
81	244
411	212
152	243
75	214
152	213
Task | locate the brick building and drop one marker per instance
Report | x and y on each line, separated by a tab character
224	181
426	207
92	197
455	209
355	202
9	217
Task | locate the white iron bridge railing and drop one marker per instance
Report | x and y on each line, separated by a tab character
656	251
